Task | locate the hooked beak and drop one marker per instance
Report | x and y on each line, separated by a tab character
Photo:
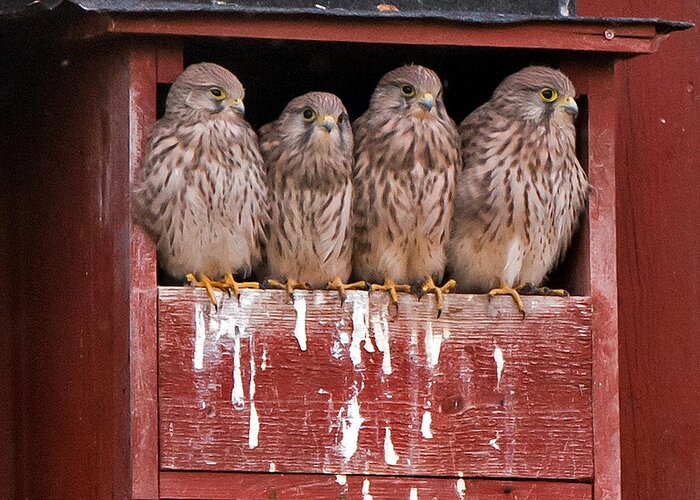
426	101
568	104
236	104
327	122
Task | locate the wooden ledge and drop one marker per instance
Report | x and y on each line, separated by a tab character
312	387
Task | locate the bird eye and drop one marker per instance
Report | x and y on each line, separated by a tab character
217	93
308	114
408	91
548	95
342	118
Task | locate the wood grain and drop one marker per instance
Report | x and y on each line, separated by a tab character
304	486
534	423
587	37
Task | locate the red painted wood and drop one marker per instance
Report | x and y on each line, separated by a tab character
169	61
301	486
535	423
548	35
658	260
70	280
601	224
143	292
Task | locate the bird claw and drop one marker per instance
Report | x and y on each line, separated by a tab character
505	289
337	284
430	287
392	288
289	286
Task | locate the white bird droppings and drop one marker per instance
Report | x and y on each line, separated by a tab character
200	334
341	479
300	325
500	363
493	443
273	467
254	424
461	488
390	456
380	327
254	427
433	343
263	362
365	490
425	425
350	426
237	397
360	333
413	495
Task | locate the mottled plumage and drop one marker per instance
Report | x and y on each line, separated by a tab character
308	155
203	194
522	189
406	159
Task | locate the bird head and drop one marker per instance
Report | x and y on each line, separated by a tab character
206	87
411	90
538	94
316	118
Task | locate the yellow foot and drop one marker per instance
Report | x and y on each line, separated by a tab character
504	289
337	284
530	289
430	287
233	287
206	283
392	288
289	286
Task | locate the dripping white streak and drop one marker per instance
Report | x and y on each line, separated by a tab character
341	479
200	333
273	467
360	311
350	426
380	326
500	363
461	488
254	424
263	363
413	495
433	343
365	490
390	456
237	397
300	325
425	425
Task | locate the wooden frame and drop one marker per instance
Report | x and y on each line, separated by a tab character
155	63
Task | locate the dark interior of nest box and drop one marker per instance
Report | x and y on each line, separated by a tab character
275	71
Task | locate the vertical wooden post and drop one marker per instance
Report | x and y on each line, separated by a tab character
143	291
602	118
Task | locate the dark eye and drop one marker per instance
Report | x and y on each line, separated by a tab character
408	91
342	118
548	95
308	114
217	93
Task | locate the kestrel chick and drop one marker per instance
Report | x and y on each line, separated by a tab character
406	159
522	189
203	194
308	155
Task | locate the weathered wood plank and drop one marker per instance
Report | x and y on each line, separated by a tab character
430	404
304	486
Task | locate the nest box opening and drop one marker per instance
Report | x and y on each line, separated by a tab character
275	71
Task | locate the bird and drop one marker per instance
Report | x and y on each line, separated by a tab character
203	194
308	155
406	159
521	190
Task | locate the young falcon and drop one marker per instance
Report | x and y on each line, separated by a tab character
308	156
406	159
203	194
521	190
